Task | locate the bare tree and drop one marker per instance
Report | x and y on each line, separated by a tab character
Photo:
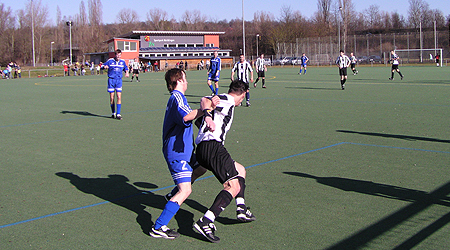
347	13
127	16
7	29
193	20
372	16
157	18
417	12
323	16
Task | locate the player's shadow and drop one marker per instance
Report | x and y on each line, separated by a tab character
420	201
117	190
314	88
83	113
403	137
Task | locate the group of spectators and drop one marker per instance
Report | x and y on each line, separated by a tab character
12	70
80	69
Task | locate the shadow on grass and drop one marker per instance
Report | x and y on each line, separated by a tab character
404	137
420	202
83	113
116	189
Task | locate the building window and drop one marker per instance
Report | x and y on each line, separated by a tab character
127	46
210	45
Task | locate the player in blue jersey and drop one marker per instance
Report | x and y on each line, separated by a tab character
115	67
214	72
303	61
178	146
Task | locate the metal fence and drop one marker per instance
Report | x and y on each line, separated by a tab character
369	48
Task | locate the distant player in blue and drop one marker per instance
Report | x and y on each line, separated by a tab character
303	61
214	72
178	146
115	67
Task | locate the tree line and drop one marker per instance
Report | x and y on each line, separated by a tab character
89	32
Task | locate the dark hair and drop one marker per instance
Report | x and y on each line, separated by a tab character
172	76
341	51
118	51
238	87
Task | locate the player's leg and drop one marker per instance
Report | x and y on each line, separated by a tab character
216	83
181	173
111	91
304	71
400	73
242	211
210	85
198	172
119	103
264	82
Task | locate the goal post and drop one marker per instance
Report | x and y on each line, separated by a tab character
412	56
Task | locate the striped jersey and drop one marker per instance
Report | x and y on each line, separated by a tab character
260	64
343	61
135	65
242	70
216	64
178	136
353	59
394	58
223	117
115	68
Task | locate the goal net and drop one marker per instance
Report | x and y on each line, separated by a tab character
420	56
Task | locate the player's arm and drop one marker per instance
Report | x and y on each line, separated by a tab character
251	74
232	74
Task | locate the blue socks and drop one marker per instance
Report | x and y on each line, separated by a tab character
119	106
167	214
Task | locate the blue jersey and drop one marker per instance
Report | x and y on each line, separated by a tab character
303	60
115	68
178	136
216	64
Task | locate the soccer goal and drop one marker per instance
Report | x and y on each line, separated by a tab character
412	56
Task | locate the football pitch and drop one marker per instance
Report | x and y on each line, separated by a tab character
367	167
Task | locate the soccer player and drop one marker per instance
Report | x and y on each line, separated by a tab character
343	62
353	61
303	61
260	70
214	72
135	66
394	60
178	146
243	68
115	67
212	154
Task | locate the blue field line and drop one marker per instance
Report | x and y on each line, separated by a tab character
76	118
203	178
382	146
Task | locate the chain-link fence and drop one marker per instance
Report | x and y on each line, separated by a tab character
369	48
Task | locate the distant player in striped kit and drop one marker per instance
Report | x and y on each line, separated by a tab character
353	61
394	60
243	69
343	62
115	67
214	72
135	66
303	62
260	70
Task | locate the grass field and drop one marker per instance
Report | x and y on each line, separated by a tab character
364	168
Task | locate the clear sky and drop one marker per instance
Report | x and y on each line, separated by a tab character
228	10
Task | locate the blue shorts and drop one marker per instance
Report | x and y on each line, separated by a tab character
181	170
114	85
212	76
303	65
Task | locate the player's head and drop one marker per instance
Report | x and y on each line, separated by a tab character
241	58
303	54
341	52
118	53
216	54
173	76
262	55
392	52
351	54
238	88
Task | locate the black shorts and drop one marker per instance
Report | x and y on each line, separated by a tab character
343	71
135	71
261	74
352	65
213	156
394	66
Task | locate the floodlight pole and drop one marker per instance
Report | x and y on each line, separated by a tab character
51	53
257	37
243	29
69	23
32	33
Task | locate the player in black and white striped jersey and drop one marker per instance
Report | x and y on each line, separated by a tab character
260	70
343	62
353	63
394	59
244	72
